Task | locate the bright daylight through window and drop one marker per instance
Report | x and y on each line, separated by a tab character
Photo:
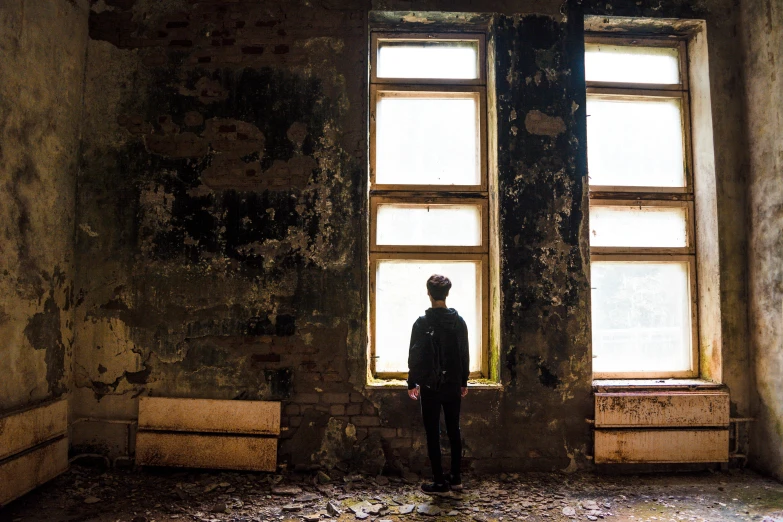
428	189
641	209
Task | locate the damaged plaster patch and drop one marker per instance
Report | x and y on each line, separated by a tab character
115	361
87	229
43	332
339	445
536	122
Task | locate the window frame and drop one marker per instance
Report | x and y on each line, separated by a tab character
400	89
606	195
483	298
483	205
377	37
692	287
690	240
432	194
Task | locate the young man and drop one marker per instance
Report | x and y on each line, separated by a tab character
449	335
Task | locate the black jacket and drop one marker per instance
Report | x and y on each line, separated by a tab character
451	334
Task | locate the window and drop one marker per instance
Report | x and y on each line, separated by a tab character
642	240
428	189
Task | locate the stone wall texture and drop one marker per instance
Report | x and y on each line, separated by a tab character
42	44
185	190
763	36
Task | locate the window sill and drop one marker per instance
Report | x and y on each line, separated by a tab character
397	384
615	385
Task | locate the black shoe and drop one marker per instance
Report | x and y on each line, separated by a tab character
455	482
436	489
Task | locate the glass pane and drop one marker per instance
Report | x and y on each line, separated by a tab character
636	143
641	316
637	226
457	225
632	64
427	139
401	297
412	59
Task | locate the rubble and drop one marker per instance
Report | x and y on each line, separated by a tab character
190	495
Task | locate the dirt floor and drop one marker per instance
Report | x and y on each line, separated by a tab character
88	494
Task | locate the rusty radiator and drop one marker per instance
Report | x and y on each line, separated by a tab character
666	426
204	433
33	447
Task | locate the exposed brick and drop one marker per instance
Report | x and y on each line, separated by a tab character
265	358
368	408
281	49
307	398
336	398
309	377
181	43
353	409
400	443
357	397
386	433
253	50
337	409
292	409
365	421
294	422
322	407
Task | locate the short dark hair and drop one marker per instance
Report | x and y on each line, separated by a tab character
438	286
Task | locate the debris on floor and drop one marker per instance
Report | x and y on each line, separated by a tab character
157	495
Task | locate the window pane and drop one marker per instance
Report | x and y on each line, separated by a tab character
635	143
412	59
401	297
615	226
641	316
458	225
427	139
631	64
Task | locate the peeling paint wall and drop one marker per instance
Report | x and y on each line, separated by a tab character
42	49
763	39
221	224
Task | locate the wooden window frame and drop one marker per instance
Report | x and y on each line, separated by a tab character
482	203
691	261
378	37
431	194
482	298
604	195
446	91
690	242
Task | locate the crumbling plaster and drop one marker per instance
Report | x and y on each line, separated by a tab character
763	39
221	221
42	44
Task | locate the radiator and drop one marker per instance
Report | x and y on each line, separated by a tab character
204	433
33	447
661	427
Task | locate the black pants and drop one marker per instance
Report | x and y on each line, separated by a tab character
447	397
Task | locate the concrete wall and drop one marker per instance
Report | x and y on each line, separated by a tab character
221	244
763	39
42	50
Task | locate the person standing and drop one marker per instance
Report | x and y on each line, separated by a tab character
438	371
